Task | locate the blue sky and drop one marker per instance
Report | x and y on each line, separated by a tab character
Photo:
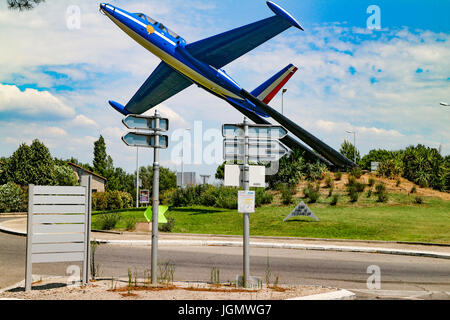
385	84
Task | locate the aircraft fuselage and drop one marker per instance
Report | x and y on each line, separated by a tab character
174	53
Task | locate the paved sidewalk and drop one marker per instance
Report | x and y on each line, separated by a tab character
18	226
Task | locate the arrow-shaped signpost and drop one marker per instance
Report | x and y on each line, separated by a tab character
150	138
251	143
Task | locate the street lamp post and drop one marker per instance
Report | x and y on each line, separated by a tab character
354	145
182	159
282	100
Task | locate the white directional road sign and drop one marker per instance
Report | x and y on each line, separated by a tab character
258	150
134	121
146	140
254	131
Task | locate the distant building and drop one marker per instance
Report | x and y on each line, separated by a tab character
189	179
98	182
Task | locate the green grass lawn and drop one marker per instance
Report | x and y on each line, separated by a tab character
399	219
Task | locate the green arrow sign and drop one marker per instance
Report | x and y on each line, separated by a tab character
161	210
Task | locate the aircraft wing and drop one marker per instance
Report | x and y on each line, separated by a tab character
162	84
221	49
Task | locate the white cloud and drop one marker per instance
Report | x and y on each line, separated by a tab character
31	102
83	121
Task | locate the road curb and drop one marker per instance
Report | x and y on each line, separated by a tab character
341	294
429	254
12	231
322	247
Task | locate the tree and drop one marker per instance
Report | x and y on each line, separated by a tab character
19	165
43	172
348	150
220	172
31	165
291	169
23	4
167	178
64	176
100	156
11	198
3	168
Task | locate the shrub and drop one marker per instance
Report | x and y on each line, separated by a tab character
330	193
413	189
130	223
11	198
381	193
227	201
382	197
167	227
291	169
418	199
313	195
127	199
287	193
65	176
315	171
99	201
390	168
381	187
369	193
114	200
334	200
352	193
351	180
187	196
108	221
310	187
379	155
337	175
356	172
359	186
371	182
397	184
425	167
329	181
262	197
354	196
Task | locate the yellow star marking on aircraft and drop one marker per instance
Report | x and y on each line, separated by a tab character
150	29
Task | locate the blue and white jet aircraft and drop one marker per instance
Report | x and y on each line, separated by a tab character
201	63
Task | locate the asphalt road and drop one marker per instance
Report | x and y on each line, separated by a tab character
335	269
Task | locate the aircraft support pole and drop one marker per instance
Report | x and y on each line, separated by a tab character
246	222
155	202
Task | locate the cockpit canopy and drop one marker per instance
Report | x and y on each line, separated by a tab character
161	27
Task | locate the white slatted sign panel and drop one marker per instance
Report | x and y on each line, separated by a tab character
58	222
58	226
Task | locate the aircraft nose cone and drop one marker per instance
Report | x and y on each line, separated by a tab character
107	8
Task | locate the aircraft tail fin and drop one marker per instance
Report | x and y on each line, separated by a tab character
270	88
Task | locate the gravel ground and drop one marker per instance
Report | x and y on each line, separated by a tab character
56	289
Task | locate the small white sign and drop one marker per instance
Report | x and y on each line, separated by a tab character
246	201
233	176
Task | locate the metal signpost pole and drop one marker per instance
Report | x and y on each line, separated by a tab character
155	204
137	177
246	222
